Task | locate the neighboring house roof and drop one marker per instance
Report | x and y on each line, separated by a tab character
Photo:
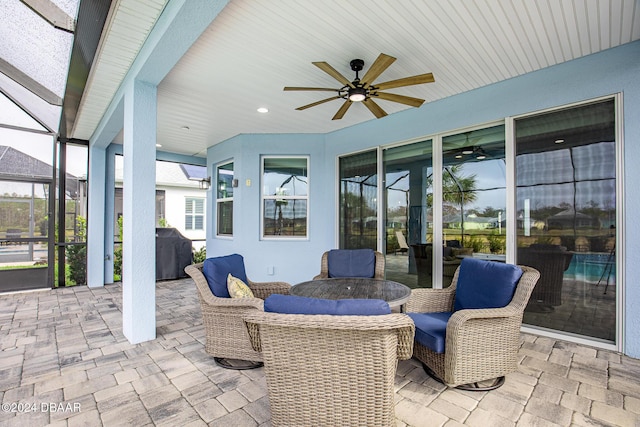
194	172
15	164
171	174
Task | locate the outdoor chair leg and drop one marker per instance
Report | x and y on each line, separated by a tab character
237	364
498	382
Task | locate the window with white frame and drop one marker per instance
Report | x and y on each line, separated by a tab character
194	213
285	196
224	199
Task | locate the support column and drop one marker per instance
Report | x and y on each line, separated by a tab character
110	229
139	230
95	217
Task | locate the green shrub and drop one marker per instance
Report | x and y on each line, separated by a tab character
77	255
474	242
497	243
117	255
200	255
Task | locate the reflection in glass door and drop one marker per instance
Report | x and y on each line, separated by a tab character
408	214
24	241
566	217
474	188
358	201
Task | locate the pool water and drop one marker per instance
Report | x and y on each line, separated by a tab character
590	266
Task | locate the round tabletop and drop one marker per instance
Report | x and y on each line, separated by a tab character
394	293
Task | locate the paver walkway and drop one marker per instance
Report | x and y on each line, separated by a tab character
65	362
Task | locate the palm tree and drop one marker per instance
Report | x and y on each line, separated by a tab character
457	189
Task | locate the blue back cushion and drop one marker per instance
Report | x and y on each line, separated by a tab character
292	304
216	271
485	284
351	263
431	329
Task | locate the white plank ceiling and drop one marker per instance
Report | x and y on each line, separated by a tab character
256	47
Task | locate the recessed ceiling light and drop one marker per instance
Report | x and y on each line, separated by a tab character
263	110
559	141
158	145
185	128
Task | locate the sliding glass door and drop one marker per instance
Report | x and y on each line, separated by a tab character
566	217
474	188
562	216
408	193
358	195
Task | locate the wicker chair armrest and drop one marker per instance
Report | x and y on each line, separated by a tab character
471	331
321	276
400	322
234	304
263	289
254	334
425	300
461	316
207	298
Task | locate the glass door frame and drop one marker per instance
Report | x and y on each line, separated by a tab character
510	152
510	206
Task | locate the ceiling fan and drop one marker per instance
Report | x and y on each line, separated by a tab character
364	90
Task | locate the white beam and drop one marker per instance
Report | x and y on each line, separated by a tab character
28	83
52	14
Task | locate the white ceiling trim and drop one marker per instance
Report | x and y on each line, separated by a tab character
254	48
128	24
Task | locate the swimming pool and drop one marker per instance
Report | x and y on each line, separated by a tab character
590	266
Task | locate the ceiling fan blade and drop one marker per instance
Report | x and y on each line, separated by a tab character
374	108
407	100
312	88
333	73
381	63
313	104
343	109
407	81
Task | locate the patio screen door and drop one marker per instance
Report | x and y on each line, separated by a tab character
25	246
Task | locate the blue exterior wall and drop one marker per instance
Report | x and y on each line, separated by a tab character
292	260
613	71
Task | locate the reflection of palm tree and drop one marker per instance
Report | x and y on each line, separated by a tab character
281	191
457	189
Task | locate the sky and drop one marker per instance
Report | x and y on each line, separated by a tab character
40	147
35	144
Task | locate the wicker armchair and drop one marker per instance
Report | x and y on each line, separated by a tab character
551	261
226	334
324	266
423	255
480	344
329	370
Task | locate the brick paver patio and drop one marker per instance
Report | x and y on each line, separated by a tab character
65	362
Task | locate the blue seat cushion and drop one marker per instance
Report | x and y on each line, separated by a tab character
485	284
431	329
292	304
217	269
351	263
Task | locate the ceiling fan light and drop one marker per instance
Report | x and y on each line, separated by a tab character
357	94
467	150
481	157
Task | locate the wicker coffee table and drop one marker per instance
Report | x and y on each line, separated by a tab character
394	293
